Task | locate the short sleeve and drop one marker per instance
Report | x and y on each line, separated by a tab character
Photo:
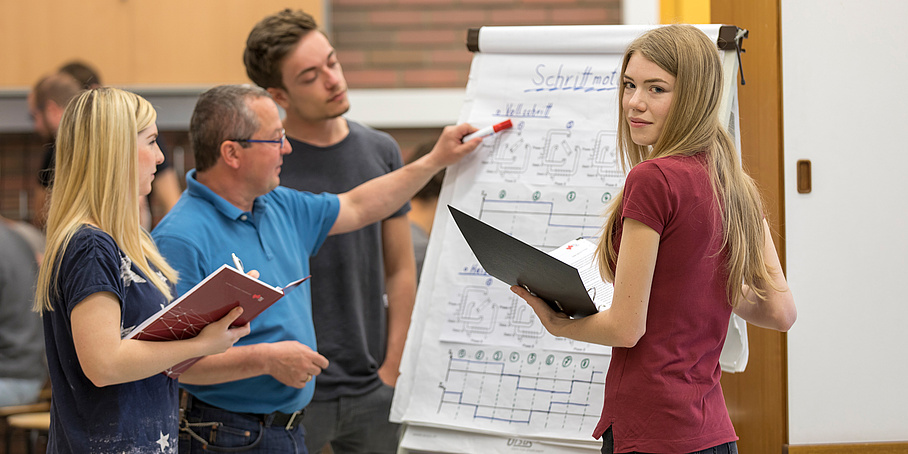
91	264
647	196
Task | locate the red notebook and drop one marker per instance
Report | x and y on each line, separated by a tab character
209	301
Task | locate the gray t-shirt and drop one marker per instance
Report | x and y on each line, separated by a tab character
21	332
420	244
348	272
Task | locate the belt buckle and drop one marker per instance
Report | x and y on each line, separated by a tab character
292	418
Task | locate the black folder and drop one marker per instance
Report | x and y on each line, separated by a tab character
516	263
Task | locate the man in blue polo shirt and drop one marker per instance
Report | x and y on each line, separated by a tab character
233	204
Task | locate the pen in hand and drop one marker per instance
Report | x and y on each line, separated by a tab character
487	131
237	263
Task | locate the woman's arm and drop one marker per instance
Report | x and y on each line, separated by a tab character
108	360
624	323
778	310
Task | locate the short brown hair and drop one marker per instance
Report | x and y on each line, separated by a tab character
83	72
221	113
59	88
270	41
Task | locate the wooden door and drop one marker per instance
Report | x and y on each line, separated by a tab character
757	398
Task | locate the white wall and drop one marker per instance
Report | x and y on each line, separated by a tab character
640	12
845	99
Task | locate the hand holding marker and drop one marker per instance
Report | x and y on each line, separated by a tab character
487	131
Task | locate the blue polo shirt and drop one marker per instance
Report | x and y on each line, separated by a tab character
284	228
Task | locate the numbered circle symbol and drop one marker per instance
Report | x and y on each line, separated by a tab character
531	358
536	195
502	193
606	197
461	353
567	361
571	196
498	355
585	363
514	357
479	354
549	360
570	124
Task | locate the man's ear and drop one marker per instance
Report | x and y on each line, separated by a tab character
280	97
53	114
231	153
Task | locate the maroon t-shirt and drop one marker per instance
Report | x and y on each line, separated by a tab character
663	395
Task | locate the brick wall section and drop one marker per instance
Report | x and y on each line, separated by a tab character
422	43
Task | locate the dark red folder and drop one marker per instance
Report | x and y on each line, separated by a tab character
209	301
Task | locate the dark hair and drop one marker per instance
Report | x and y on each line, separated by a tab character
82	72
270	41
221	113
431	190
59	88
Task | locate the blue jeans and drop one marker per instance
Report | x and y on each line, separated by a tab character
353	424
206	428
608	446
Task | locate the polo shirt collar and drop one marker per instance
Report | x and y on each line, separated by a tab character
197	189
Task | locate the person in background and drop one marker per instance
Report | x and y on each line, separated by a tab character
685	244
84	73
101	276
361	307
234	204
31	234
23	370
422	214
46	103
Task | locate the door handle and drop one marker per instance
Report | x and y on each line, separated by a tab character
804	178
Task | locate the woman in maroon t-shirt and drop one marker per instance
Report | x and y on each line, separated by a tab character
685	244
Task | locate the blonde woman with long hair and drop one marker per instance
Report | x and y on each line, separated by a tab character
685	245
101	276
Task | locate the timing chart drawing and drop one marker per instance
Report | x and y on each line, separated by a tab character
517	390
482	310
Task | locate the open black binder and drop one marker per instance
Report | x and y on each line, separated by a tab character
516	263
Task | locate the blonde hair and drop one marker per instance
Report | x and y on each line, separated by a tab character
96	182
692	126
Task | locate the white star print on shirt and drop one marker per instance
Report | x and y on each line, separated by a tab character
127	274
164	442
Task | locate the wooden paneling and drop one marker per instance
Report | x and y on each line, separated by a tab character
37	36
851	448
757	398
145	42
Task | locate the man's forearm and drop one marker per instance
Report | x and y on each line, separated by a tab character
237	363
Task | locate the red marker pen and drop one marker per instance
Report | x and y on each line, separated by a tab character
488	130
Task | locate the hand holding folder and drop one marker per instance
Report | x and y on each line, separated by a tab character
514	262
207	302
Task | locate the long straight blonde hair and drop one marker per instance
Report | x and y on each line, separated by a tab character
692	127
96	182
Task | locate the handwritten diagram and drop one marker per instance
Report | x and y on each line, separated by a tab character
561	157
518	387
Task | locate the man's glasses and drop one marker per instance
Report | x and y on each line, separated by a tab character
278	141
